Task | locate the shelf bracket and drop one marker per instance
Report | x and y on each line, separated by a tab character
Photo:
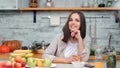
34	16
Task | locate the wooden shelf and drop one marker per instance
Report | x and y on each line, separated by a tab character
69	9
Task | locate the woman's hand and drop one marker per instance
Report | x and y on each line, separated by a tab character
76	34
72	59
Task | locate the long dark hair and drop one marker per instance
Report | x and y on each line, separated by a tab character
66	31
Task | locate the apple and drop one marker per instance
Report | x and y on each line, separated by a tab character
13	63
2	64
8	64
47	63
31	61
11	58
17	65
23	64
18	59
24	59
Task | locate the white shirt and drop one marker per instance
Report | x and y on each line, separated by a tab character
71	49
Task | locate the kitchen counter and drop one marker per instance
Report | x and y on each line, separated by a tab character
6	56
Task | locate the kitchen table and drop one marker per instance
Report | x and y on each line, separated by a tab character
6	56
71	66
61	65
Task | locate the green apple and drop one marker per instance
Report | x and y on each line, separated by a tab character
47	63
31	61
24	59
11	58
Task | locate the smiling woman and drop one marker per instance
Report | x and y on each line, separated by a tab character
72	42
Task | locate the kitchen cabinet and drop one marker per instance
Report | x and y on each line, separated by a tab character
8	4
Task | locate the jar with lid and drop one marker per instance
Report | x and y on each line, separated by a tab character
33	3
49	3
111	60
109	3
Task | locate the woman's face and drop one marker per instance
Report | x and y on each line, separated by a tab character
74	22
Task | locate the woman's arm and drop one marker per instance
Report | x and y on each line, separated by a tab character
51	49
84	48
65	60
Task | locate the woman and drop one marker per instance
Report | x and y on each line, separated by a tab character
67	46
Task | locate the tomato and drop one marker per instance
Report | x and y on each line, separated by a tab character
4	49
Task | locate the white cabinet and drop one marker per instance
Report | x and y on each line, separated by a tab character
8	4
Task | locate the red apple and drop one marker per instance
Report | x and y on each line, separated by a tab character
18	59
8	64
17	65
2	64
23	64
13	63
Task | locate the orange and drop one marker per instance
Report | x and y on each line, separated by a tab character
40	63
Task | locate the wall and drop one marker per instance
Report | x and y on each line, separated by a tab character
19	25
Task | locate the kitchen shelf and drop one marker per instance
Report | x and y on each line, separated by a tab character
69	9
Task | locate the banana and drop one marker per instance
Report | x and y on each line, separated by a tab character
17	54
29	55
22	51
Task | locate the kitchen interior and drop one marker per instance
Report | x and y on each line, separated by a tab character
34	23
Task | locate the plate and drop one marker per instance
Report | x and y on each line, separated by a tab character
53	65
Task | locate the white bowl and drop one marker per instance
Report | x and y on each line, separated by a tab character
78	64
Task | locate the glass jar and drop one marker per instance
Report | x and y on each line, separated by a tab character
49	3
98	53
109	3
111	60
98	57
33	3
